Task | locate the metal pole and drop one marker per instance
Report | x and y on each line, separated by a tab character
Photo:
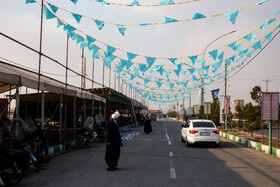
40	48
93	98
270	127
202	86
75	116
42	110
103	79
65	93
109	81
225	98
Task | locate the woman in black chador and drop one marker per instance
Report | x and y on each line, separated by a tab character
113	143
148	126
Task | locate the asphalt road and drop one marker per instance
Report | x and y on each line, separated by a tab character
161	159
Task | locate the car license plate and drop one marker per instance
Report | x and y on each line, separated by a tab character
204	134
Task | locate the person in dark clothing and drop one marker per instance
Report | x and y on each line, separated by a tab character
148	126
113	143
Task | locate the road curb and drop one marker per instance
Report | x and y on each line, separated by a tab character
252	144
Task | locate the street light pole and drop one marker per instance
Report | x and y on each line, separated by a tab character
202	86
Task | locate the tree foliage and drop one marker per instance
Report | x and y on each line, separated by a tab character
215	111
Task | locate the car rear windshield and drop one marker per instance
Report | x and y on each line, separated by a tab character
203	124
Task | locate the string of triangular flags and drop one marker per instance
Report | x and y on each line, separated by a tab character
231	16
131	56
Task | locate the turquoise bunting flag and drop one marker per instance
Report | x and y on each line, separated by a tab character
166	2
90	39
134	3
214	54
198	16
268	37
150	61
77	17
172	60
100	24
170	20
130	56
122	29
74	1
30	1
257	45
193	59
231	16
54	8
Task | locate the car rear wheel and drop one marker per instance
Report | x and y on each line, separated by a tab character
187	143
182	139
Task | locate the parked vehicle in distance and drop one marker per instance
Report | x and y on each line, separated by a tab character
200	131
153	117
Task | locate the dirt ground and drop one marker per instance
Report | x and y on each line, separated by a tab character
256	137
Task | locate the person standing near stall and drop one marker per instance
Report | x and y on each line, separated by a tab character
113	143
147	126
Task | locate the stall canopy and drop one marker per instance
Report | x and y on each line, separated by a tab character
11	75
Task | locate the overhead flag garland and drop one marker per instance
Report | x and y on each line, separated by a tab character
231	16
141	77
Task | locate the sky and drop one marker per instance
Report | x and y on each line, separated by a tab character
22	22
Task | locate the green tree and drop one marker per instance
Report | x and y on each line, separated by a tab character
201	112
215	111
256	95
240	115
252	119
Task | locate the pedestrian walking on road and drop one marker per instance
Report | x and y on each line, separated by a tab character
148	126
113	143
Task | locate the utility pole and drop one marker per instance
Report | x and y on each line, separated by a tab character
225	97
267	81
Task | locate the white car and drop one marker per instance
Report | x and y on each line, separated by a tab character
200	131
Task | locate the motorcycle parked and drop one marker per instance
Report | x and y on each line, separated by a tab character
86	134
13	163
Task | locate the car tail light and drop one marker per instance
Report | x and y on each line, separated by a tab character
193	132
216	132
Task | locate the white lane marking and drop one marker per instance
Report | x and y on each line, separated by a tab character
172	173
169	142
171	154
167	136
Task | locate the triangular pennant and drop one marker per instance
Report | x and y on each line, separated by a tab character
172	60
233	45
201	62
54	8
264	26
103	4
167	73
198	71
100	24
110	49
219	64
268	37
179	66
134	3
77	17
136	70
248	53
191	71
206	68
257	45
69	28
271	20
74	1
262	2
147	80
95	52
193	59
122	29
232	58
214	54
90	39
250	37
221	56
170	20
198	16
150	61
166	2
186	84
227	62
239	48
130	56
48	13
231	16
59	23
128	65
177	71
159	84
30	1
143	68
171	85
123	63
